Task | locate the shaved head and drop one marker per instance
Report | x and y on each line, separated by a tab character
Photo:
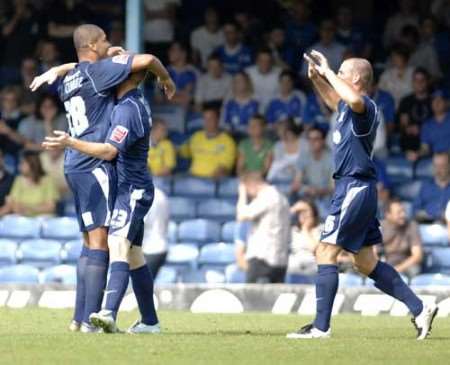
362	68
85	35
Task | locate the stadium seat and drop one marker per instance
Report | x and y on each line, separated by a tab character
217	209
424	169
199	231
408	209
204	275
40	253
228	231
434	235
431	279
172	232
7	252
399	169
72	250
63	274
440	259
292	278
182	208
63	229
163	183
166	275
19	274
407	190
349	280
217	254
194	187
182	255
228	188
13	226
234	275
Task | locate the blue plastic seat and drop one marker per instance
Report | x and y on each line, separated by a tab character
434	235
440	258
172	232
228	231
217	209
228	188
40	253
399	169
431	279
13	226
204	275
292	278
217	254
183	255
19	274
408	190
166	275
234	275
350	280
163	183
63	229
194	187
72	251
8	250
199	231
182	208
63	274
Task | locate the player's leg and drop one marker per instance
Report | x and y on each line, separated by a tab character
142	281
327	282
389	281
119	248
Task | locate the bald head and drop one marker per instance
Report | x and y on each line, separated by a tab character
85	35
360	72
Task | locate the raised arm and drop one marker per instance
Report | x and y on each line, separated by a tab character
51	75
102	151
343	90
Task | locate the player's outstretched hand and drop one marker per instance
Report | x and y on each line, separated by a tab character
48	77
168	87
322	64
312	71
61	140
115	51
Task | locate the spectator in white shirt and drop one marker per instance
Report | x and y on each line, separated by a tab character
205	39
397	78
214	85
264	76
156	222
328	46
268	240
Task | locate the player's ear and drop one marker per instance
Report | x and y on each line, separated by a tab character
356	78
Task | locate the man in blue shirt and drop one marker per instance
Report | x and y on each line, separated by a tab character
88	94
127	143
433	196
234	55
352	224
435	134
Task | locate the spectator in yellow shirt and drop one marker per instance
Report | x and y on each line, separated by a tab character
212	151
162	155
33	192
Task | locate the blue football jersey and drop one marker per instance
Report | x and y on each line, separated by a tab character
237	61
282	109
353	139
236	115
88	94
130	134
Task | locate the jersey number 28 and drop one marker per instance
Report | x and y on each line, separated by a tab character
76	115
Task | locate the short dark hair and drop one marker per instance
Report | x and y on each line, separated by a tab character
42	99
401	50
287	73
211	108
316	128
33	160
86	34
293	127
423	71
264	50
214	57
260	118
391	202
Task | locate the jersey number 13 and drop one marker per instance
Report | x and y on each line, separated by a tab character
76	115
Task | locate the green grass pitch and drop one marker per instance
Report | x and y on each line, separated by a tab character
39	336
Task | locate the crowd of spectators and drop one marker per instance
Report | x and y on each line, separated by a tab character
245	103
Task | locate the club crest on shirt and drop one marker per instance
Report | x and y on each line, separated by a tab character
337	137
122	59
118	134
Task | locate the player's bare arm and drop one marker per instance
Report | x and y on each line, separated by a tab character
103	151
326	92
50	76
345	91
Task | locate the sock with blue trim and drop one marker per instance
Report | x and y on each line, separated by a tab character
117	286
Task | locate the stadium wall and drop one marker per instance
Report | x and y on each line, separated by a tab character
234	298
